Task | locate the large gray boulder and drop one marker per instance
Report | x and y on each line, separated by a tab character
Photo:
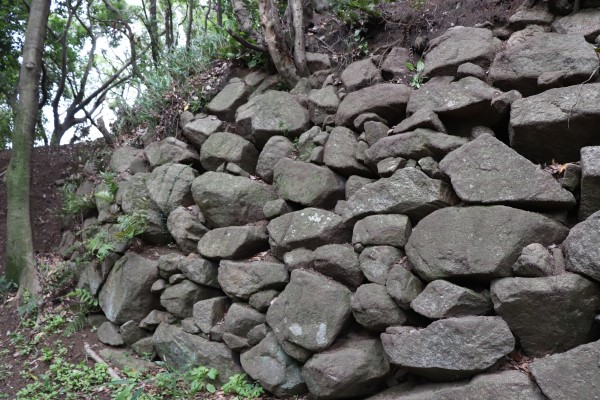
181	351
387	100
340	153
468	100
351	368
570	375
198	270
478	243
443	299
307	184
273	369
382	230
185	227
402	285
227	200
450	349
298	315
414	145
170	150
239	321
199	129
459	45
227	101
309	228
581	248
376	262
584	22
557	123
548	314
374	309
208	313
169	186
242	279
275	149
408	191
486	171
233	242
180	298
128	160
514	385
322	103
519	66
360	74
225	147
126	293
270	114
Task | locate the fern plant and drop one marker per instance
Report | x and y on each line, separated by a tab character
239	385
100	245
85	303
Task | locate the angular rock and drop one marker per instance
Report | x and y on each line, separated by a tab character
180	298
414	145
170	150
549	314
155	318
340	153
233	242
262	300
132	333
275	149
181	350
374	309
353	367
403	286
276	208
307	184
354	183
270	114
457	46
530	16
570	375
534	261
144	348
108	333
128	160
584	22
520	65
308	228
443	299
298	316
451	349
360	74
409	191
227	101
385	99
242	279
274	370
581	248
590	182
225	147
470	69
207	313
230	200
537	123
239	321
467	100
422	118
169	186
376	261
185	228
477	243
382	230
338	262
394	65
126	293
514	385
486	171
321	103
375	130
199	129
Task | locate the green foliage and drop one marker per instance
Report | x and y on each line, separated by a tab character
100	245
134	224
417	70
85	303
28	305
64	380
110	181
355	12
239	385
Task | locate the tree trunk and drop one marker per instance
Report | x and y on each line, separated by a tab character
299	46
275	39
20	264
190	25
169	30
153	31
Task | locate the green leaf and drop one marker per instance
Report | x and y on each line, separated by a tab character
212	373
410	66
211	388
420	66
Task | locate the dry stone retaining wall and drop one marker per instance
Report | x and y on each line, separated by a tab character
340	244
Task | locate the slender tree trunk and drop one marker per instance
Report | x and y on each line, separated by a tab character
299	46
153	31
219	13
275	39
20	264
169	30
190	24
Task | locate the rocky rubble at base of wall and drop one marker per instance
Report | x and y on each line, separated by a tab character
375	240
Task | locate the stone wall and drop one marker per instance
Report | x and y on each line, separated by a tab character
340	239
